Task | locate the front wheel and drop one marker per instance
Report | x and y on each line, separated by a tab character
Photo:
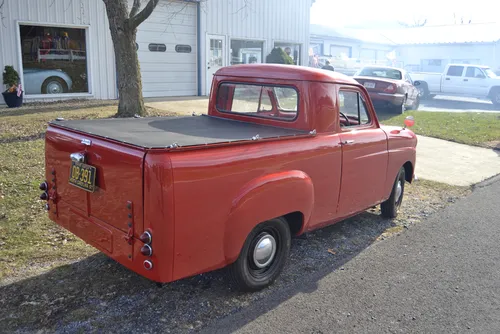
263	256
390	207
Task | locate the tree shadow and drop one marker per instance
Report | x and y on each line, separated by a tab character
96	293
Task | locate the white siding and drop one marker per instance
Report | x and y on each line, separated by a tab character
485	53
91	13
377	51
263	20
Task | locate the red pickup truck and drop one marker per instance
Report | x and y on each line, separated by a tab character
283	150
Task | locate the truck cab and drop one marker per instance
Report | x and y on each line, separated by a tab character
467	80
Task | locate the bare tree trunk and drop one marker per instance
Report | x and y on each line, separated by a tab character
123	33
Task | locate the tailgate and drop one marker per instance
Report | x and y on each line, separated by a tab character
117	199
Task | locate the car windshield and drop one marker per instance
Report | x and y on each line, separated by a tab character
380	72
489	73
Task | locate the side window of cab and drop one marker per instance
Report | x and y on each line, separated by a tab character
353	111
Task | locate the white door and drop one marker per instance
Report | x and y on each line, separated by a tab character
167	51
216	46
475	82
452	81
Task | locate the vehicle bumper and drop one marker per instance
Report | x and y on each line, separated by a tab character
386	99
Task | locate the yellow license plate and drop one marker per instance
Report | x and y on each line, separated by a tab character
82	176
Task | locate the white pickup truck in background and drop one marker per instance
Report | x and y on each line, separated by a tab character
460	80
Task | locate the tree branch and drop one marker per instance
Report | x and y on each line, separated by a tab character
1	13
135	8
135	21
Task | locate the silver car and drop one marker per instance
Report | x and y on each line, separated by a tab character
41	81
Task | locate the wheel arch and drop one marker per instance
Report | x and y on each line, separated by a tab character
408	166
287	194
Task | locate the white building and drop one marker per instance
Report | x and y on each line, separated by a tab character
428	48
63	48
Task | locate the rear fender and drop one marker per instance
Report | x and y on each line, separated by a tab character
265	198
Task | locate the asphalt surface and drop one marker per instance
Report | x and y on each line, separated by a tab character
457	104
442	276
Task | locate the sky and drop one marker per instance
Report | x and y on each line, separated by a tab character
386	13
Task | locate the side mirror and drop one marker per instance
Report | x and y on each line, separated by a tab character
409	121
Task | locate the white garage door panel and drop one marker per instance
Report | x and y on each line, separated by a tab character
170	77
337	50
169	73
181	68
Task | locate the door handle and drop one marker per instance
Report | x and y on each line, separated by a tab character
466	79
447	78
347	142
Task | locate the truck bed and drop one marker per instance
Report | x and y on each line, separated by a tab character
162	132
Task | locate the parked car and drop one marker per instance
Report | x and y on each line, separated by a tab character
476	81
42	81
389	87
276	156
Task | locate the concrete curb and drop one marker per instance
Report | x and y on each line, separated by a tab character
487	182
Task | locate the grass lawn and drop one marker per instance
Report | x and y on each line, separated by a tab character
480	129
28	239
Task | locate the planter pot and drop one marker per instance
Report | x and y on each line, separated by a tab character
12	100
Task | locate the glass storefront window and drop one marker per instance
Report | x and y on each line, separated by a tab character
54	60
246	52
293	50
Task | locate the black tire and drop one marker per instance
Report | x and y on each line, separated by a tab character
423	91
390	207
495	98
62	86
245	273
399	109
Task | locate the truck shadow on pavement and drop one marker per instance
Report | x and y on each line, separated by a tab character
97	294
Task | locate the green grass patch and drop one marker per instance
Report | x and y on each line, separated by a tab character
478	129
28	239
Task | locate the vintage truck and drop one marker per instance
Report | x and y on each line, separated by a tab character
283	150
466	80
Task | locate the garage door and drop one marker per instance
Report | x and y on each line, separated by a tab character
337	50
167	50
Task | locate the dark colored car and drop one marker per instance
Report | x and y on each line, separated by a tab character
389	87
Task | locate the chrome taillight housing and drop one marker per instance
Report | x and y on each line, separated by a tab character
146	237
146	250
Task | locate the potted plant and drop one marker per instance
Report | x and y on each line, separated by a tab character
13	96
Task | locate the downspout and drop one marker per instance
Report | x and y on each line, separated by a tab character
198	42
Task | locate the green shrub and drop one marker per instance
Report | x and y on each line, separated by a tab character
278	56
10	76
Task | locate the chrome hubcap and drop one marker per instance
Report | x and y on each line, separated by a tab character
54	87
399	191
265	249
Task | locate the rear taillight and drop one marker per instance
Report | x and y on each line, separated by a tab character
390	89
148	265
146	250
44	196
146	237
44	186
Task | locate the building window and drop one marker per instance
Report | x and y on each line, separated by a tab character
258	100
293	50
155	47
246	52
183	48
54	59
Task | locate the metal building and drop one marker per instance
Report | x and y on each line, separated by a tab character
63	49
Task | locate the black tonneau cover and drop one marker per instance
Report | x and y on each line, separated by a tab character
162	132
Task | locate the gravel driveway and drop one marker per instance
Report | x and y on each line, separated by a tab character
96	294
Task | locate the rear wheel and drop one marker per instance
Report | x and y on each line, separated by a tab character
495	98
263	256
400	109
54	85
390	207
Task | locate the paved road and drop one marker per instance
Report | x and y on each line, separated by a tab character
457	104
442	276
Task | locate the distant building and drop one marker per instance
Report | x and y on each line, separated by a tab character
428	48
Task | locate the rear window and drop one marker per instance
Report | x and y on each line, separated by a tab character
275	102
455	71
380	72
